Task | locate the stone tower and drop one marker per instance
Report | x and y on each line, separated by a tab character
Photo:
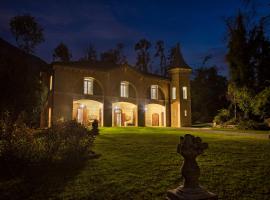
180	90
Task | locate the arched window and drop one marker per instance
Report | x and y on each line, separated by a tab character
88	85
124	89
154	91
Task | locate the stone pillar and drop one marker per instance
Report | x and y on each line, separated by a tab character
141	115
107	112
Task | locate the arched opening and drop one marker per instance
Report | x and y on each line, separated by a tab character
86	111
155	115
124	114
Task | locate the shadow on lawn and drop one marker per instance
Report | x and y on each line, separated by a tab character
37	182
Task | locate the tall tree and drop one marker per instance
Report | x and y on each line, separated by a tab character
90	54
61	53
27	32
208	94
239	54
114	56
143	56
160	53
260	46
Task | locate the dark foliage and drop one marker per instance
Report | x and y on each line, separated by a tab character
27	32
143	56
61	53
22	147
114	56
160	54
21	89
208	91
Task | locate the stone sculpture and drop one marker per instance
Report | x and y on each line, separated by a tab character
190	147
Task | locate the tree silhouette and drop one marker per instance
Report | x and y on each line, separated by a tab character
143	56
28	33
114	56
160	53
239	54
90	54
61	53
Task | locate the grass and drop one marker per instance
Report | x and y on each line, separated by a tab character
142	163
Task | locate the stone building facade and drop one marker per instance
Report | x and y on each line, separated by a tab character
118	95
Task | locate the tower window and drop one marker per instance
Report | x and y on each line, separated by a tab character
173	92
51	82
124	89
184	92
88	85
185	113
154	92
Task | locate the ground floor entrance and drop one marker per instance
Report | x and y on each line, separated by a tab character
155	115
86	111
124	114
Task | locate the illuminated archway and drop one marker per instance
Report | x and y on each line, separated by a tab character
155	115
124	114
86	111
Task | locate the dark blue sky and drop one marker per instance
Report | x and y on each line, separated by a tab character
197	24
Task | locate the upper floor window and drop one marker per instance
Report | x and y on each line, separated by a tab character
184	92
154	92
124	89
88	85
173	92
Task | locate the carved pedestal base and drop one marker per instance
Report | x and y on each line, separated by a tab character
181	193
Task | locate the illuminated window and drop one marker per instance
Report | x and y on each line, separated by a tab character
154	92
51	82
185	112
88	85
184	92
124	89
50	117
173	92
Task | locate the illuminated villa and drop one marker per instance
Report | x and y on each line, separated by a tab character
118	95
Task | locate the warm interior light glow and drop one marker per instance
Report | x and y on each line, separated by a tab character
51	82
154	91
184	92
86	111
155	115
88	85
124	89
50	117
124	114
173	92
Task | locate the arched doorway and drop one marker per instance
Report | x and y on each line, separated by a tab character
124	114
155	115
86	111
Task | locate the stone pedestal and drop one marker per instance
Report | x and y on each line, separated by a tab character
190	147
181	193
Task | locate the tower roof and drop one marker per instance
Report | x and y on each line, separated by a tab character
178	60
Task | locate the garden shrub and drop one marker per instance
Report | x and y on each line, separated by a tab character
251	124
21	146
67	141
17	146
222	117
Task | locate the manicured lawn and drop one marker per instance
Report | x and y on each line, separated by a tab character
142	163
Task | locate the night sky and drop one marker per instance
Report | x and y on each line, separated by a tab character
197	24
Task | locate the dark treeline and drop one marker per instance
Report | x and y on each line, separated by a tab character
248	59
146	53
